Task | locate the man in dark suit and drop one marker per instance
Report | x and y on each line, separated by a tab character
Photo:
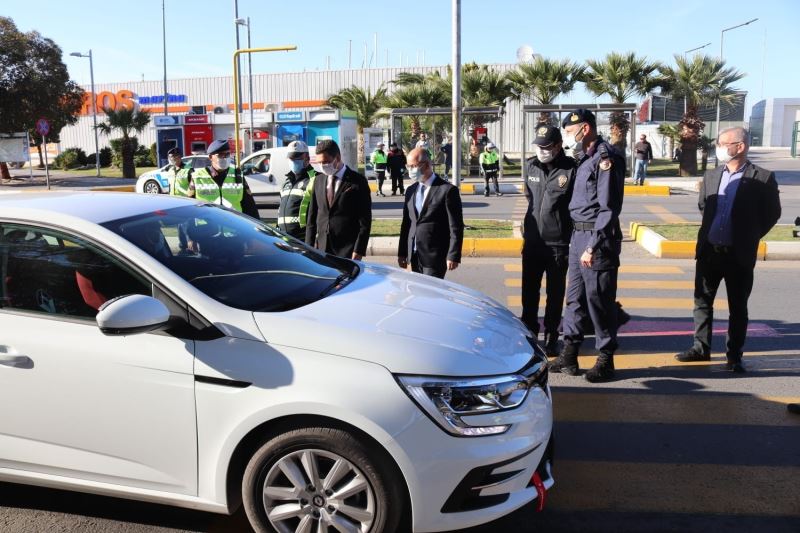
432	230
340	211
740	204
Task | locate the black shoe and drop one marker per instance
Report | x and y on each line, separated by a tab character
737	367
498	193
603	369
793	408
691	355
486	193
567	362
551	345
394	193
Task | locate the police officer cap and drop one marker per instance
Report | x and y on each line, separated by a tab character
490	146
174	151
297	148
219	146
547	135
578	116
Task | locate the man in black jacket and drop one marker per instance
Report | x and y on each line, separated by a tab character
340	211
740	204
432	230
546	232
396	163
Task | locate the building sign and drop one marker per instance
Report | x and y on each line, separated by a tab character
290	116
165	120
195	119
159	99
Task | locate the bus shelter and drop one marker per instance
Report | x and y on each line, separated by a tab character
554	113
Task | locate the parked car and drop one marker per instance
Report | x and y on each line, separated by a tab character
159	181
171	351
266	171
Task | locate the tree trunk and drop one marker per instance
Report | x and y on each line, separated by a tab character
688	161
41	159
4	173
703	161
361	143
620	125
128	167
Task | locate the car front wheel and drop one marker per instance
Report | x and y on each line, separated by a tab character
320	479
151	187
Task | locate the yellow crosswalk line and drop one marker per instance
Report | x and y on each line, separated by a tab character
701	408
665	214
629	487
624	269
665	284
631	302
641	361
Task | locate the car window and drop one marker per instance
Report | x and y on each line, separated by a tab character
257	165
50	272
201	162
235	259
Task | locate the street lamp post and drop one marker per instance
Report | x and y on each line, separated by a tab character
94	108
246	22
684	58
721	41
238	46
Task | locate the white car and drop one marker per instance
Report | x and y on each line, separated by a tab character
170	351
159	181
266	171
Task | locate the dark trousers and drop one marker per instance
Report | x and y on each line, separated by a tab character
590	293
711	268
491	175
397	181
437	272
553	261
381	175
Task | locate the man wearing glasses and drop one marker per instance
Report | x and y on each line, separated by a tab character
740	204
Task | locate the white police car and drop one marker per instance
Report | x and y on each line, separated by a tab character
158	181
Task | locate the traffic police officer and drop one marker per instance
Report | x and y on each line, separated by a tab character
296	192
378	160
221	183
546	232
489	161
595	246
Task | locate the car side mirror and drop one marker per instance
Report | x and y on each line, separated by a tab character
132	314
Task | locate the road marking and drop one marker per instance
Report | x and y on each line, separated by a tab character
684	488
667	285
700	408
644	361
665	214
624	269
631	302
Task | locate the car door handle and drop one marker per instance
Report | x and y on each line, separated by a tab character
17	361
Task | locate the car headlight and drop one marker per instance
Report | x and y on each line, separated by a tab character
447	400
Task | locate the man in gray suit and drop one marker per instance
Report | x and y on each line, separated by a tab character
432	230
740	204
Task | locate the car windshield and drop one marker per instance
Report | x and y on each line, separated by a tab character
235	259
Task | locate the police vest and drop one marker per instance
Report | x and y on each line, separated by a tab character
379	158
229	195
180	185
293	209
489	160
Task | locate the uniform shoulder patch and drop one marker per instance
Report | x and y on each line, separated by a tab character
562	181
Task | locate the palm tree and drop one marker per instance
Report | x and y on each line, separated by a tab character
482	86
543	80
127	121
671	132
415	90
367	107
620	76
702	80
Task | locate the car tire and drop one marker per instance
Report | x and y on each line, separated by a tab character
151	187
355	484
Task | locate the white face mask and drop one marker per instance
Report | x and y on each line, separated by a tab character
723	156
413	173
545	155
571	141
329	169
175	161
223	163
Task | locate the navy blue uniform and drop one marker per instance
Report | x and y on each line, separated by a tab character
595	207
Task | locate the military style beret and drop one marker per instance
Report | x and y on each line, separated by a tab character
578	116
218	146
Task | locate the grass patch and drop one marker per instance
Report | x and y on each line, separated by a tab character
108	172
688	232
474	228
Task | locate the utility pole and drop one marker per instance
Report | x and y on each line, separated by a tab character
164	41
684	58
456	104
238	59
350	54
721	41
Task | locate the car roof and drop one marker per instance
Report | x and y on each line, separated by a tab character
93	206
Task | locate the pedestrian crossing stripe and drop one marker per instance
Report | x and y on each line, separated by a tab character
644	361
717	489
665	214
667	284
633	302
644	407
624	269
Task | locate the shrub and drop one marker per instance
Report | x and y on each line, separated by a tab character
105	157
116	149
142	157
154	154
70	158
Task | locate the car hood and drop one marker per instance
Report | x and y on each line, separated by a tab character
409	323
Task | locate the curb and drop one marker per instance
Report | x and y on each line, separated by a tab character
472	247
666	249
119	188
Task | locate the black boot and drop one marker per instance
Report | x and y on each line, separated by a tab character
567	362
603	369
551	344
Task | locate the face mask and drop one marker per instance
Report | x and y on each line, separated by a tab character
545	156
174	161
329	169
413	173
297	166
571	141
223	163
723	156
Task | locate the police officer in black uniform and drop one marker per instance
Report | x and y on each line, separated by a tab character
546	232
595	246
296	191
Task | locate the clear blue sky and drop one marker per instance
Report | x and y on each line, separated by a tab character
127	45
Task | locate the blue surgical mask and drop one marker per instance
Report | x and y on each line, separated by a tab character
297	166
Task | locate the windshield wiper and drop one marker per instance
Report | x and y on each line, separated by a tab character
338	283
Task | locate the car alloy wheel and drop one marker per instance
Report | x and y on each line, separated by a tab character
151	187
320	479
